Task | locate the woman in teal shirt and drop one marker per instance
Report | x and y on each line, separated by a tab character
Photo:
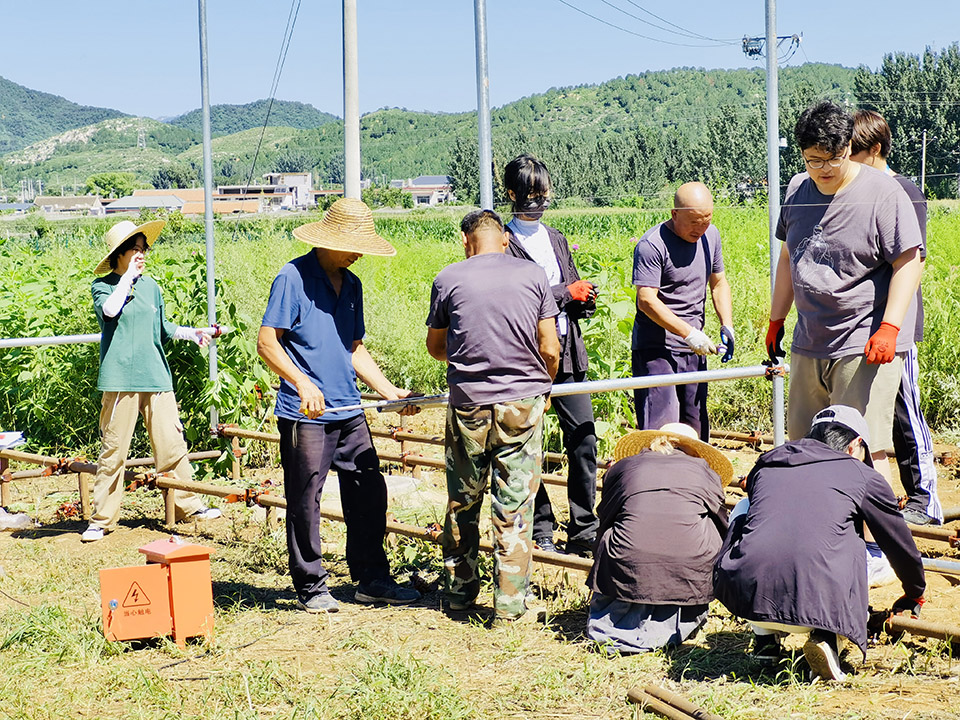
134	375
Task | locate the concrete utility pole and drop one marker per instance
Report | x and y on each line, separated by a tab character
351	102
483	107
753	47
923	165
208	199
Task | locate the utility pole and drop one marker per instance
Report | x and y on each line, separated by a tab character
923	165
351	102
485	144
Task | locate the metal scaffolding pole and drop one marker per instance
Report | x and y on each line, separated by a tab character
351	102
773	191
485	144
208	201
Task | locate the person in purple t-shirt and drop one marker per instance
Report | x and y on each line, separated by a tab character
911	437
492	320
673	264
850	262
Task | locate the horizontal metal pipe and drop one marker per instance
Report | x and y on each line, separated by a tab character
200	455
946	567
250	434
51	340
636	383
914	626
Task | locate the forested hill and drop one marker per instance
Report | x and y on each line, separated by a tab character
27	116
229	119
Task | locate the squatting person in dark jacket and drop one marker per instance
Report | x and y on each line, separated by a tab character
662	522
528	184
795	561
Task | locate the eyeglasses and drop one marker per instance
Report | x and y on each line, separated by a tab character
817	163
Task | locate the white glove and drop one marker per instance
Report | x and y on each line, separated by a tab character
114	304
196	335
700	343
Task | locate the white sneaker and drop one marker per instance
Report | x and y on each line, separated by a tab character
206	514
821	654
92	534
879	571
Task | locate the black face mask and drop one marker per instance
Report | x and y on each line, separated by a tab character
533	207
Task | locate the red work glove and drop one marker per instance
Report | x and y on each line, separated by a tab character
774	341
582	290
908	605
882	346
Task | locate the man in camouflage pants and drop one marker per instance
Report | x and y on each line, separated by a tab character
491	320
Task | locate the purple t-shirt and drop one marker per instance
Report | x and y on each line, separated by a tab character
841	252
920	208
491	305
681	271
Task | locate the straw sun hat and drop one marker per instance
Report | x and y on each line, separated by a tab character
347	227
123	231
683	437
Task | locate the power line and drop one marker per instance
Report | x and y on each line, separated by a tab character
704	37
631	32
679	31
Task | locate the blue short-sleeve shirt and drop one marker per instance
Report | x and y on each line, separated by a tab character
320	329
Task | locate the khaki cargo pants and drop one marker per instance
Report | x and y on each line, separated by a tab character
118	419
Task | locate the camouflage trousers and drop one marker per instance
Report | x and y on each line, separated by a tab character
504	441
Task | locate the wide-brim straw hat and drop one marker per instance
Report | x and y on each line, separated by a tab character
123	231
347	227
633	442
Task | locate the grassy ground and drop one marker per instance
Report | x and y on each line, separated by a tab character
267	660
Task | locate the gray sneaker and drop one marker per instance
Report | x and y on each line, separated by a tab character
385	590
324	602
820	650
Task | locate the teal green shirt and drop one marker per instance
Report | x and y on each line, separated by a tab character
131	344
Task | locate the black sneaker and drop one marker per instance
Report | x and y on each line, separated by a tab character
325	602
582	548
545	544
385	590
820	650
917	517
767	649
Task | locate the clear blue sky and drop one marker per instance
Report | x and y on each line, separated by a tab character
143	57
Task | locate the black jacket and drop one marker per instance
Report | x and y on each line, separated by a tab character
573	357
797	556
662	522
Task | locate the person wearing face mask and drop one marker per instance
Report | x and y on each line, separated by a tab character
527	183
134	376
673	264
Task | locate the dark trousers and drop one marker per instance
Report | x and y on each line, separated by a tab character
308	451
575	413
674	403
913	444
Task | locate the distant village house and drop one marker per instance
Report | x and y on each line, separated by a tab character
70	204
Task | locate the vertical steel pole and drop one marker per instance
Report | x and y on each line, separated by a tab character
208	201
483	107
773	190
351	102
923	165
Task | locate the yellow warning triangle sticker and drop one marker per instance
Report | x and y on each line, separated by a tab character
136	597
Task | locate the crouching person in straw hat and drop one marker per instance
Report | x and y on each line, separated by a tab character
492	321
312	337
662	522
793	560
134	375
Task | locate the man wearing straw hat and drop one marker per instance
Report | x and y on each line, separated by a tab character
492	321
793	560
134	376
312	337
662	522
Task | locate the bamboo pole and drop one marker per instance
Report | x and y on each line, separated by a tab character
4	483
648	702
900	623
83	483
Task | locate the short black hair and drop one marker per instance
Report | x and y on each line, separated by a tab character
473	221
869	129
833	434
125	246
527	177
825	125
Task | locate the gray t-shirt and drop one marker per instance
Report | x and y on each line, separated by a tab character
491	305
681	271
841	252
920	208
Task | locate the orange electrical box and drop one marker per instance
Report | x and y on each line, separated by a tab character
172	594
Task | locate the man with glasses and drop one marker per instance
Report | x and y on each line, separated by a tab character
850	262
